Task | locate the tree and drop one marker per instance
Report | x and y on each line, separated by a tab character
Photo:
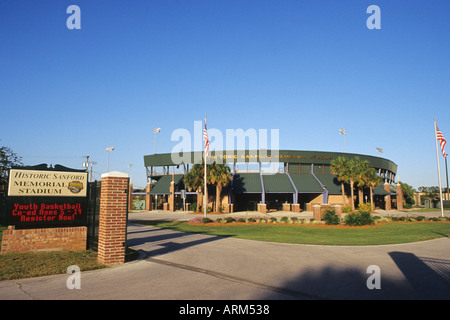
355	171
340	168
347	172
362	176
352	176
8	159
220	176
431	194
408	193
373	180
194	180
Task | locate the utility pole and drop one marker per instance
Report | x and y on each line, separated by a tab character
86	165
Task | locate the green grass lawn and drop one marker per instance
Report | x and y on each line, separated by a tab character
389	233
36	264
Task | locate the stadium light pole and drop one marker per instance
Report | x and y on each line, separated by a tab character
108	150
343	132
130	165
155	131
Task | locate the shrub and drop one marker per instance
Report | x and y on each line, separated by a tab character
219	220
284	219
383	219
229	219
330	217
347	209
206	220
421	218
241	220
364	208
251	220
294	219
273	219
196	220
359	219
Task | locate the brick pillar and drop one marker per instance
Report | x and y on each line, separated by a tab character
399	197
295	207
387	199
148	198
262	208
317	214
172	197
112	220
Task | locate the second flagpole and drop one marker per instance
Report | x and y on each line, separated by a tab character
205	194
439	168
446	175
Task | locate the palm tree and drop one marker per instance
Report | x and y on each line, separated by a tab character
220	176
194	180
362	176
340	168
356	171
373	180
352	176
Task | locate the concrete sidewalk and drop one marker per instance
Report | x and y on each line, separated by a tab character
185	266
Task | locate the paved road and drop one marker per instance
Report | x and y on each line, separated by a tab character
176	265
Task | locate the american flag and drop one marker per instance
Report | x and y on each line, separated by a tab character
205	137
442	141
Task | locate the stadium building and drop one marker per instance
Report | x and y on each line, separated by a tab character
282	180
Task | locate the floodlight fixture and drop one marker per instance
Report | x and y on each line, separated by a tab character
344	133
155	131
108	150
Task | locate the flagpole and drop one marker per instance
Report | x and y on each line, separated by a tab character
205	192
439	168
446	176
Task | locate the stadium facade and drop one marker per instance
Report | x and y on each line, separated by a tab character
282	180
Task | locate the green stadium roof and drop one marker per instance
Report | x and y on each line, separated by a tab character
306	183
247	183
277	183
162	186
291	156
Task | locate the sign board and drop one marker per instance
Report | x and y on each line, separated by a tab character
47	198
47	183
49	212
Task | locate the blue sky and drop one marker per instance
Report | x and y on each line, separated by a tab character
306	68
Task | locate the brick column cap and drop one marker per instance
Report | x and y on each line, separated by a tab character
114	174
